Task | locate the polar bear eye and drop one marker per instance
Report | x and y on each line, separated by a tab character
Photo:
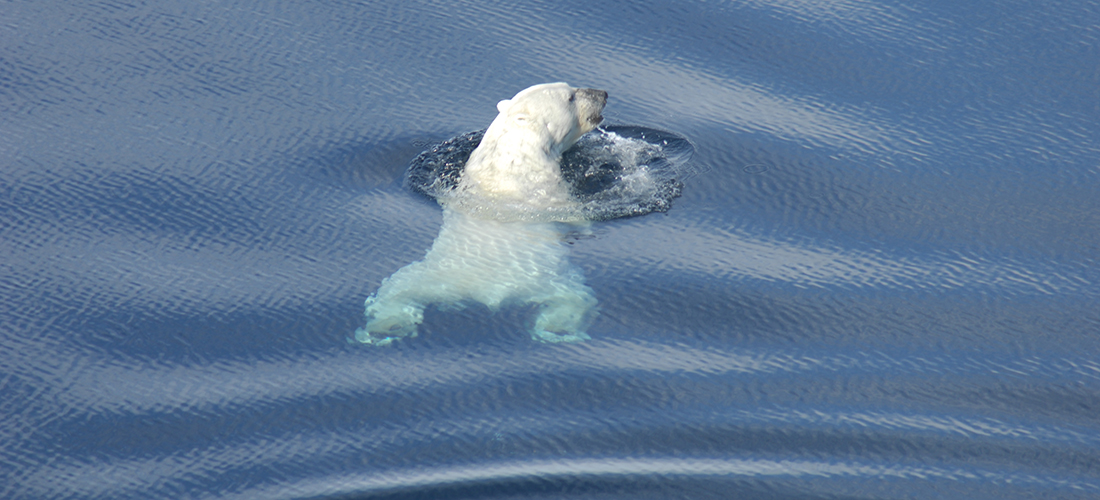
572	96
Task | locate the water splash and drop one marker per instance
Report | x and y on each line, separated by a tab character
614	171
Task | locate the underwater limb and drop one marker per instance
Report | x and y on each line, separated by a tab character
387	323
564	318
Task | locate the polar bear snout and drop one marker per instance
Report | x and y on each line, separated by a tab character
590	104
596	95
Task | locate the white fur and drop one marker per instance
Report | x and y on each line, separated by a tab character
505	261
518	159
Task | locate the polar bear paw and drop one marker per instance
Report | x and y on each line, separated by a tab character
564	320
554	338
387	324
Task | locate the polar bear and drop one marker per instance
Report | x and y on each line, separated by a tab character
504	256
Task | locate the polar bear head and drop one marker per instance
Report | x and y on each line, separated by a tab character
518	159
563	112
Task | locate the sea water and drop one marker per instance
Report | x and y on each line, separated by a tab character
879	279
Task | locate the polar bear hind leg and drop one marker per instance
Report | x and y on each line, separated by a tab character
389	321
563	317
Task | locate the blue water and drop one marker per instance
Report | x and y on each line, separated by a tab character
880	282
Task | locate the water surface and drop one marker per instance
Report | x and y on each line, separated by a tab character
880	280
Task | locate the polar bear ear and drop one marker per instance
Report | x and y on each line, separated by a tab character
503	105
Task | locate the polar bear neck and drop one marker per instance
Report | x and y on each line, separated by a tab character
519	166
